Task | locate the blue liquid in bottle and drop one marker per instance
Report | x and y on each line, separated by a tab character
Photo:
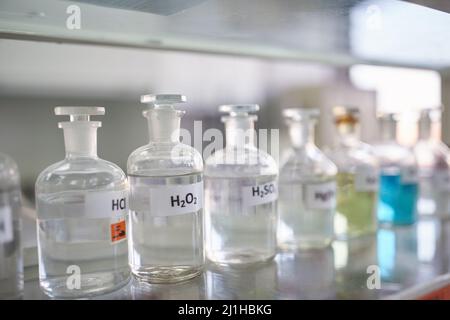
397	200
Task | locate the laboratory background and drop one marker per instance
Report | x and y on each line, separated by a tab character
356	93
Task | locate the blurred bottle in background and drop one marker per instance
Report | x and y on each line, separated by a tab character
357	178
398	176
11	265
307	182
433	160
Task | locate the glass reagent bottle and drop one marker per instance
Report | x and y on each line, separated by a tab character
166	179
357	178
307	200
240	195
398	177
82	208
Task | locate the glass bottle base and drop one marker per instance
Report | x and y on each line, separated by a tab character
391	224
166	274
355	234
306	244
90	285
236	258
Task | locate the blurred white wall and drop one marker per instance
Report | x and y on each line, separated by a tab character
36	76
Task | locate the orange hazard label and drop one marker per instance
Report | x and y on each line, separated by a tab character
118	231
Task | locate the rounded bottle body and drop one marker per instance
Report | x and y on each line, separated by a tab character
307	200
166	217
82	208
240	206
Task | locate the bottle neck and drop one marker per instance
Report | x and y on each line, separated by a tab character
301	134
388	130
239	132
164	125
80	140
348	132
424	129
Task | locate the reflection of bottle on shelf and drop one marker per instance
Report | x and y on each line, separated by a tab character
257	281
398	176
397	256
354	260
445	244
430	248
194	289
307	274
11	268
433	159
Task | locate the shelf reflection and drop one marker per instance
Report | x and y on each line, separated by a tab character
405	256
306	274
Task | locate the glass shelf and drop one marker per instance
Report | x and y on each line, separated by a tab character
406	257
344	32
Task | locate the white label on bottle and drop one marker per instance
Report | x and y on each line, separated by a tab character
321	196
442	180
366	179
112	205
106	204
259	194
176	199
409	175
6	225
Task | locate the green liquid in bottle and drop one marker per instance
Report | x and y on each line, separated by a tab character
356	210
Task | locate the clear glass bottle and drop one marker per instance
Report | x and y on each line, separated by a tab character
11	265
82	208
357	178
398	176
166	179
240	194
433	160
307	200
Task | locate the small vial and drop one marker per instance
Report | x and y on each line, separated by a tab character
11	265
433	160
166	179
240	194
357	178
82	208
398	177
307	200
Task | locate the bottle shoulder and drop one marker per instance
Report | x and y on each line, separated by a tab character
307	163
349	156
246	161
158	159
80	174
391	153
